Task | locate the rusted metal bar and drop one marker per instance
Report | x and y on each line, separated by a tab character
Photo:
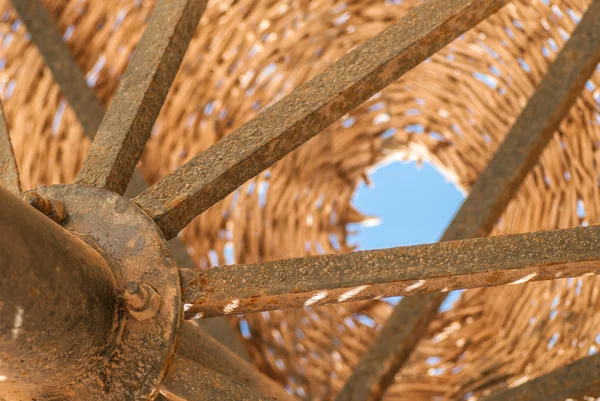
572	381
209	177
489	197
202	348
59	308
9	173
443	266
126	127
187	380
89	111
58	57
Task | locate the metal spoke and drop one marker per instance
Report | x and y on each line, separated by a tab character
58	57
9	173
489	197
201	348
443	266
572	381
141	93
209	177
187	380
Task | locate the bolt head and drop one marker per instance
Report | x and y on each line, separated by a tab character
143	302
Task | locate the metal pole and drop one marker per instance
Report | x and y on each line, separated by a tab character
58	307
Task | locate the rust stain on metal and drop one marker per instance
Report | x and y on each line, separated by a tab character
489	197
219	328
573	381
126	127
187	380
9	173
174	201
444	266
121	235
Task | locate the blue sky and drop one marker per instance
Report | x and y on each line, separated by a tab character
414	204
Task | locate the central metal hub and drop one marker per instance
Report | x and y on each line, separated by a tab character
137	252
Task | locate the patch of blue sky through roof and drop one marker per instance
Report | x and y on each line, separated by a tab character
414	204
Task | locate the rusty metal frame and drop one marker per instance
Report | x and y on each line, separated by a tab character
138	300
90	113
126	127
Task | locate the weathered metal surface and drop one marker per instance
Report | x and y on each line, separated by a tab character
187	380
128	237
174	201
9	173
126	127
443	266
58	307
573	381
201	348
58	57
488	198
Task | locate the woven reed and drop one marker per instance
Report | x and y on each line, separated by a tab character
452	111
